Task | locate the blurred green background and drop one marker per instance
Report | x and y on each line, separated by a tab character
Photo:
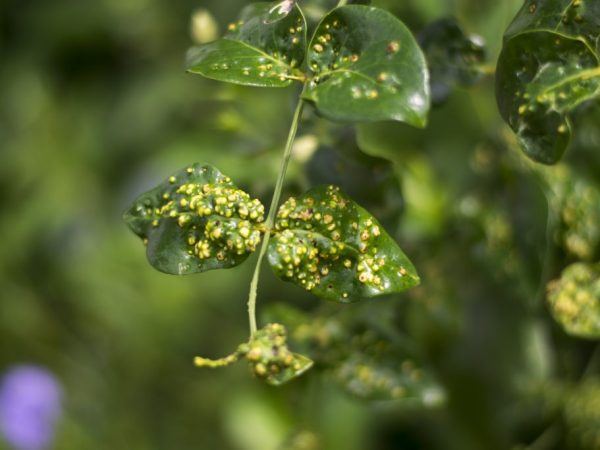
95	108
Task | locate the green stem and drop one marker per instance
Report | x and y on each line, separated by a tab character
342	3
287	152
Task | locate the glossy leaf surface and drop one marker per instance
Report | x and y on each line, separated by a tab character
575	300
453	57
549	65
264	48
367	66
196	220
332	247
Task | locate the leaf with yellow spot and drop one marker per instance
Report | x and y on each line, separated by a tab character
367	66
196	220
268	355
574	300
330	246
549	65
265	47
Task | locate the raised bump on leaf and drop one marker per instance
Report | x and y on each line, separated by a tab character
332	247
196	220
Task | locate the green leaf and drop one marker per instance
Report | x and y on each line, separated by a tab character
367	66
264	48
582	415
361	349
549	65
270	358
344	165
332	247
453	57
574	300
196	220
575	199
382	377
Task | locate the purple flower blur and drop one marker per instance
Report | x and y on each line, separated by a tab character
30	404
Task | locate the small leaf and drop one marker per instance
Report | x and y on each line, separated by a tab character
575	300
270	358
549	65
264	48
196	220
381	378
367	66
453	57
361	350
332	247
582	415
575	199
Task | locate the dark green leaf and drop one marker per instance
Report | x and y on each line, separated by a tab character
196	220
332	247
264	48
575	300
344	165
452	57
549	65
270	358
367	66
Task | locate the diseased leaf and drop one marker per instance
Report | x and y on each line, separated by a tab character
575	300
453	57
582	415
344	165
268	355
385	378
270	358
360	349
264	48
575	199
332	247
196	220
549	65
367	66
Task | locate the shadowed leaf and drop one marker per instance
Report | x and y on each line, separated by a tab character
549	65
453	57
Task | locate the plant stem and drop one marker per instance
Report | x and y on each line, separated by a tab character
287	152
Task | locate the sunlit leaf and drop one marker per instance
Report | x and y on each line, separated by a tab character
367	66
332	247
196	220
549	65
265	47
575	300
453	57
